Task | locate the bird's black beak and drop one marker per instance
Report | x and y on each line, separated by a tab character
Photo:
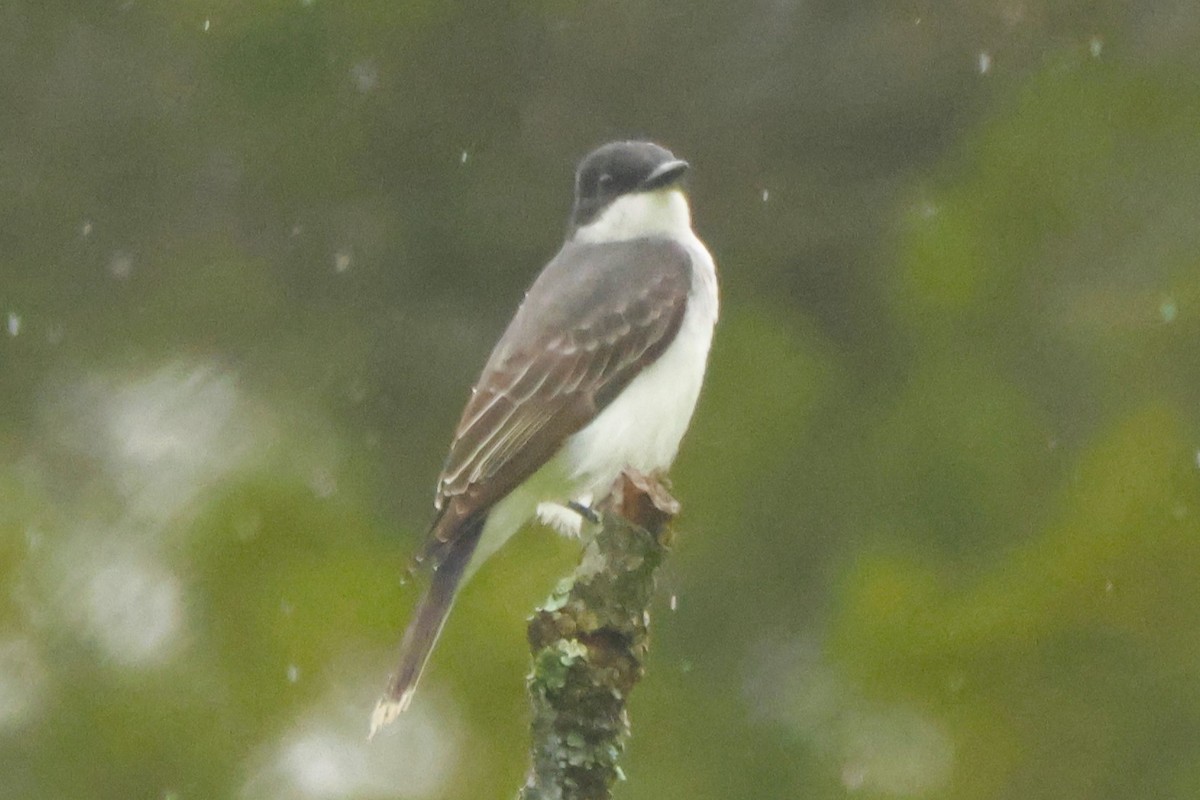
665	174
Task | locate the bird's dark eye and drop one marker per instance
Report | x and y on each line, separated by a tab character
604	181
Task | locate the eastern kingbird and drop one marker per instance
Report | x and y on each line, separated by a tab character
598	371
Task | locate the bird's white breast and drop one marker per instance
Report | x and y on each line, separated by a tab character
643	426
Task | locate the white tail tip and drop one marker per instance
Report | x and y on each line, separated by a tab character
387	710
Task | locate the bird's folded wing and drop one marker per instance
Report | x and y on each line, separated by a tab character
596	316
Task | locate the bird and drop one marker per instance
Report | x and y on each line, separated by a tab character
599	371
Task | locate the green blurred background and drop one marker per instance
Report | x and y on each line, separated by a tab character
941	530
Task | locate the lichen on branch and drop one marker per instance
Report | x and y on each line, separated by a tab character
589	642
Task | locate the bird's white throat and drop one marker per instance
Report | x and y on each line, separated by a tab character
663	212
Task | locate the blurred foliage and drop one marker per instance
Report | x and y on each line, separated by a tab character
941	498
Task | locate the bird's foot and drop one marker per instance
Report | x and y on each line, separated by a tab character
567	518
585	511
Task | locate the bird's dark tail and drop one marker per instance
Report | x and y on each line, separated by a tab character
426	624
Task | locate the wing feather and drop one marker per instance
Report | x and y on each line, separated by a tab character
595	317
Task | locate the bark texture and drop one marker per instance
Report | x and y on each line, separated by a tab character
589	643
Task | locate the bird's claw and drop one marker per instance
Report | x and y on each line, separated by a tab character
585	511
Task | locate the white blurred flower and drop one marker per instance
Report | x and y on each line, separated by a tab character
164	437
889	749
22	682
326	756
124	601
896	751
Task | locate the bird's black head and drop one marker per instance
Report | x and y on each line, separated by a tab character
621	168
